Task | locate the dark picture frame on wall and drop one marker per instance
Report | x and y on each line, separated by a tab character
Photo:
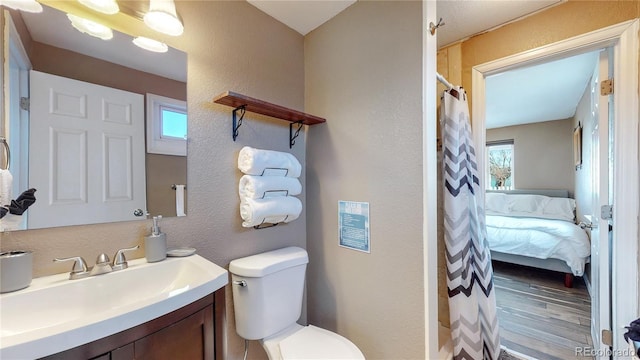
577	146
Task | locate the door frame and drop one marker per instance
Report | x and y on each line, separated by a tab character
429	181
16	133
623	38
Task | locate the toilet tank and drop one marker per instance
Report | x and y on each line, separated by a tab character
271	300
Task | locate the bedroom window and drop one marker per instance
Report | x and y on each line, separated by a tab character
500	169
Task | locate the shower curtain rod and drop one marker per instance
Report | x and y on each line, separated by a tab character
444	81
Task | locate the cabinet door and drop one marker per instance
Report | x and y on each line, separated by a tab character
190	338
123	353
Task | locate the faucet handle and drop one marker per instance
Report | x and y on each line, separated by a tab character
119	261
102	259
79	270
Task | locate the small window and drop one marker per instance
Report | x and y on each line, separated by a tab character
500	165
166	125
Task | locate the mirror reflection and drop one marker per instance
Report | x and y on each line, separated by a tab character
97	127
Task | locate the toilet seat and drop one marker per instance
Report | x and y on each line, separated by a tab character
310	342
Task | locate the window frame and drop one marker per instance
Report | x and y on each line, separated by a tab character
156	143
495	145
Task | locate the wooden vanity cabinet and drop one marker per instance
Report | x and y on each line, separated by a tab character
191	332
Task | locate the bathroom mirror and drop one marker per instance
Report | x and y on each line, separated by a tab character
53	47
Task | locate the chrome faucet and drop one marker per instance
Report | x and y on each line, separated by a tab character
79	270
119	261
102	265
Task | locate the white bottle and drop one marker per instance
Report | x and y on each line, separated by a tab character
155	244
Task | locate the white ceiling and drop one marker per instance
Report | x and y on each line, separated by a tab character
302	15
462	18
540	93
544	92
54	28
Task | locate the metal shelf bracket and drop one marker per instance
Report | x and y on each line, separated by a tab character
292	135
238	122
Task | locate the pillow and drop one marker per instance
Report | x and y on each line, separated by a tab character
560	208
496	203
532	204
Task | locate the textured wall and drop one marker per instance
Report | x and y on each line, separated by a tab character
231	46
543	154
363	73
560	22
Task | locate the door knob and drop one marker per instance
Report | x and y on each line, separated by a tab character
584	225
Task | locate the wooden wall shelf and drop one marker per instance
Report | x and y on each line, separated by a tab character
242	103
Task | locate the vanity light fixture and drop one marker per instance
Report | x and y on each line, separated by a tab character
90	28
31	6
150	44
108	7
162	17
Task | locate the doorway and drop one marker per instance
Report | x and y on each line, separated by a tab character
623	40
544	307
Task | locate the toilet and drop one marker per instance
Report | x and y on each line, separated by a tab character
267	297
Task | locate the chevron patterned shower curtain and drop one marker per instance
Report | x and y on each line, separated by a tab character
472	305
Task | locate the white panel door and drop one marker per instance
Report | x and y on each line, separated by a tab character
601	164
94	169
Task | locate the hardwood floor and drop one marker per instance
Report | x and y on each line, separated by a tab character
538	316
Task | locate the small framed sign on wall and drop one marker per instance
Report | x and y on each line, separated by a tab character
353	225
577	146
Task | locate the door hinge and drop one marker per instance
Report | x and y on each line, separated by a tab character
606	87
607	337
606	212
24	103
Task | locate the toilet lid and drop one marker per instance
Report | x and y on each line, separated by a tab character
313	342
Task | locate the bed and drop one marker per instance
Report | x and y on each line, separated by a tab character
537	228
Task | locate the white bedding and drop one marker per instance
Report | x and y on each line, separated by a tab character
539	238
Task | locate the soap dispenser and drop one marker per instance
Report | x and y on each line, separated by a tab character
155	244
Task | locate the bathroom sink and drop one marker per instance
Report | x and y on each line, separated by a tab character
56	314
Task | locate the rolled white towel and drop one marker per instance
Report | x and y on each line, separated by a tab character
6	182
257	187
11	222
253	161
271	210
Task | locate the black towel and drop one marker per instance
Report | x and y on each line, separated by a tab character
633	332
22	203
3	211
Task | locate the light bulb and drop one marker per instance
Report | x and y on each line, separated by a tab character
90	28
162	17
150	44
109	7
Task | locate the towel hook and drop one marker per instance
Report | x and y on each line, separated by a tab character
5	145
433	28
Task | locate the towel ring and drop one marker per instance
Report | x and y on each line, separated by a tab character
5	145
